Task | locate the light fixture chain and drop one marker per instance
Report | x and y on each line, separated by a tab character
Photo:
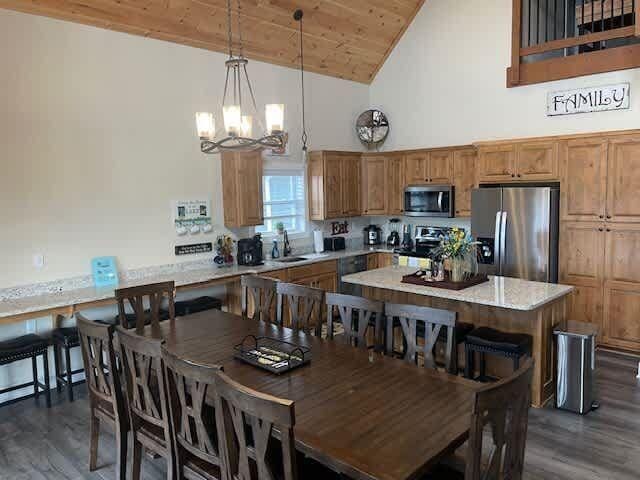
229	28
241	46
253	98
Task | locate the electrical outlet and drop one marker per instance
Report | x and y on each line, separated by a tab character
38	260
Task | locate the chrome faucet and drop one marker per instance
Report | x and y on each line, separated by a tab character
286	248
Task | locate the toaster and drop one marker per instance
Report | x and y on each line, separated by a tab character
332	244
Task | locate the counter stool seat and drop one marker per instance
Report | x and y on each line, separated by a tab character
24	347
64	339
131	319
195	305
494	342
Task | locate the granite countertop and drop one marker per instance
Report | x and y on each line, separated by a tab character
34	299
502	292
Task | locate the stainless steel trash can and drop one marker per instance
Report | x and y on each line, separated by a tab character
576	370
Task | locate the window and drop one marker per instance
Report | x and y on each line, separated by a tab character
284	201
552	40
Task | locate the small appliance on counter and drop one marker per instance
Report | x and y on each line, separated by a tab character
407	243
428	238
372	235
393	240
250	251
333	244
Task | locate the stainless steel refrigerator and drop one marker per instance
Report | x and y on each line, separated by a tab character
517	228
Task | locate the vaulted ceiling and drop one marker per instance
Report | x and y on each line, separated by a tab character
348	39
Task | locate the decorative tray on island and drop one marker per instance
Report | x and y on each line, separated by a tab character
416	279
271	354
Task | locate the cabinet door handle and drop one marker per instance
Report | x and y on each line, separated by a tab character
513	175
608	229
608	216
601	216
519	175
601	229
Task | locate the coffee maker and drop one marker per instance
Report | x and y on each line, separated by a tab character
372	235
250	251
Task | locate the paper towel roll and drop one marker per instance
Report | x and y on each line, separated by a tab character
318	241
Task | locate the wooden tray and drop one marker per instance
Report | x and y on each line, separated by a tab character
477	279
260	352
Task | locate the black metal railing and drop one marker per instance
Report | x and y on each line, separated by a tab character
559	22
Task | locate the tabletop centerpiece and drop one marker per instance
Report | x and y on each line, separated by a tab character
458	252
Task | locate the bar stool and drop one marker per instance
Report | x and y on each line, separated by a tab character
21	348
494	342
64	339
195	305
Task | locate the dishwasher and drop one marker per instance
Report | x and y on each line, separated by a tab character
349	265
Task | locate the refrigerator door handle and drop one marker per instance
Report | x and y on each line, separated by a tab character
503	239
496	241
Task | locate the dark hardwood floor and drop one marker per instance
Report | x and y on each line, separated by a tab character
36	443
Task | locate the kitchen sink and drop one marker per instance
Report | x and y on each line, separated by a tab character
290	259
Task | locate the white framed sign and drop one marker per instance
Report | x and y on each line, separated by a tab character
192	216
586	100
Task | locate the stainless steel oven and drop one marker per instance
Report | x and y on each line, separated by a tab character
429	201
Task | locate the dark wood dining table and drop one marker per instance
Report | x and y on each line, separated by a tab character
360	413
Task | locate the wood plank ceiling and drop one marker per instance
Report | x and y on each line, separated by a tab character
347	39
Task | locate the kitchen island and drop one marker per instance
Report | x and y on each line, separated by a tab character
506	304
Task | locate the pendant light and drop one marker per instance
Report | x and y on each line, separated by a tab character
238	121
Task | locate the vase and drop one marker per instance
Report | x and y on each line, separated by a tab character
457	269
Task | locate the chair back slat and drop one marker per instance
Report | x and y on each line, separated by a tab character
193	419
249	457
355	327
433	320
305	306
145	386
136	296
503	407
262	292
100	366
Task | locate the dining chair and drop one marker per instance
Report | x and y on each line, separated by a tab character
106	399
432	321
500	413
262	292
193	421
136	297
304	307
146	398
356	315
246	421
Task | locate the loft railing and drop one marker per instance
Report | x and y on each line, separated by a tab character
555	39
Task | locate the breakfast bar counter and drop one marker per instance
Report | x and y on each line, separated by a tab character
507	304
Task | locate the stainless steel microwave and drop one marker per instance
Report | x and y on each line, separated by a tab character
429	201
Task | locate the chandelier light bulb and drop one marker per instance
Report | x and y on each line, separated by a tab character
275	118
246	128
205	124
232	119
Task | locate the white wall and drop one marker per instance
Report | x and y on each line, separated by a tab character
97	138
444	83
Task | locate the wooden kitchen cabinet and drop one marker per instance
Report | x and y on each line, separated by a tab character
464	180
537	161
496	163
395	184
622	286
374	184
416	168
334	185
583	166
582	262
372	261
623	179
423	167
242	188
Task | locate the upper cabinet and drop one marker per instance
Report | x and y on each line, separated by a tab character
464	180
517	162
382	184
334	185
435	166
584	179
623	179
242	188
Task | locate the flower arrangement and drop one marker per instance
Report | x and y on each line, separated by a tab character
224	251
456	244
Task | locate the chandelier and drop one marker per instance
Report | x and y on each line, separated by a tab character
238	125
